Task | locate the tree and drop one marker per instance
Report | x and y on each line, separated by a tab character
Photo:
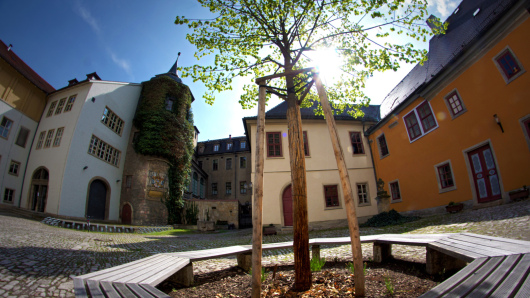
254	38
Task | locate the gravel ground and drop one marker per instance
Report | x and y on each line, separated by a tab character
37	260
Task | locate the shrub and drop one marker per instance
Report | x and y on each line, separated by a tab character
391	217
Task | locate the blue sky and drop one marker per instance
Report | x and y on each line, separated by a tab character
131	41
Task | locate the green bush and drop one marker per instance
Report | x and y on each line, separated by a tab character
391	217
317	264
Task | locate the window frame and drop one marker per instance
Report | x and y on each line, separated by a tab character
215	164
391	190
22	128
380	148
525	125
214	188
242	165
70	103
228	163
229	146
228	188
58	137
242	189
60	106
243	145
51	109
112	121
504	52
40	140
11	196
103	151
278	145
14	168
451	95
366	194
420	121
6	127
338	203
359	143
49	138
216	147
437	167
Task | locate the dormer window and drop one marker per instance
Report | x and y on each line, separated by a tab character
216	147
243	145
228	146
201	149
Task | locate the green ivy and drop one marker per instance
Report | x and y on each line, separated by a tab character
167	134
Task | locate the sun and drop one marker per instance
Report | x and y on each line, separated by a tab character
327	61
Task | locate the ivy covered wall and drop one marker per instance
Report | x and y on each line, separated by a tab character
165	125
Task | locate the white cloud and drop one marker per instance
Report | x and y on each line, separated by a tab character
122	63
443	7
87	17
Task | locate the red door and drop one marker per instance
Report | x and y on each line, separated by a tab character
287	199
126	214
485	174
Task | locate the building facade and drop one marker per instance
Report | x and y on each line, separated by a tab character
325	196
457	128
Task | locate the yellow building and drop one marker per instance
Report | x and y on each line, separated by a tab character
325	196
457	128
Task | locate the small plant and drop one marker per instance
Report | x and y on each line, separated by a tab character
264	273
352	268
389	285
317	264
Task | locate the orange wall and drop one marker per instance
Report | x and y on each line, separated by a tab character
484	93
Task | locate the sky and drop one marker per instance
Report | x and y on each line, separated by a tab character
132	41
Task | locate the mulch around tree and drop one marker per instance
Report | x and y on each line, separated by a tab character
395	278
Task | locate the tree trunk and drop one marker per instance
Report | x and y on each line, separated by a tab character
302	280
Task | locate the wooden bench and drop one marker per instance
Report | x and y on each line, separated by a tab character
498	265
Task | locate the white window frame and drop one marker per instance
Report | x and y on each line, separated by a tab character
58	137
440	188
446	100
501	69
420	124
390	191
70	103
367	203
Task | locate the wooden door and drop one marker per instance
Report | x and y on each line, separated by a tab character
126	214
485	174
287	199
97	200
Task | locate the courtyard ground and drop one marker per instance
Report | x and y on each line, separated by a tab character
37	260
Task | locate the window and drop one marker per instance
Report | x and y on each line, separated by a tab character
104	151
306	144
242	188
60	106
22	137
455	104
356	142
51	109
446	181
394	191
14	167
525	124
214	188
169	104
70	103
362	194
201	184
331	195
216	147
383	148
243	145
274	144
420	121
228	146
215	164
200	164
128	181
41	139
8	195
49	138
228	163
201	149
508	65
195	187
112	121
5	127
58	137
228	188
242	162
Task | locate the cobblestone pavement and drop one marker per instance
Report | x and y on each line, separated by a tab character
37	260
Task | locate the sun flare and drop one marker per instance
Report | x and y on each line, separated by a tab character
327	61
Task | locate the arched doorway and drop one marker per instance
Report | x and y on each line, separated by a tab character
126	214
39	190
287	200
97	200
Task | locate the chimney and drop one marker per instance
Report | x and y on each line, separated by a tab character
230	137
9	47
72	82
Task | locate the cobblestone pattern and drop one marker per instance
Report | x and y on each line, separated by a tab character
38	260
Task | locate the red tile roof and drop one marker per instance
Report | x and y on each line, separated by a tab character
20	66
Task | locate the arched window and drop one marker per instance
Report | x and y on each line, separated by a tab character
202	188
195	184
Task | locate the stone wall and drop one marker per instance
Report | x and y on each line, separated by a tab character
219	210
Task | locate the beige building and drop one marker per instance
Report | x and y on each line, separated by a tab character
325	196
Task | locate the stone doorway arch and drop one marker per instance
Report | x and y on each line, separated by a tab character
287	202
39	190
126	214
97	200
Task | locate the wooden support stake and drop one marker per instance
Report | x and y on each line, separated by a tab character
257	208
346	188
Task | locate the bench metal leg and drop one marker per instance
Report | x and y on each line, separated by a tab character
315	252
244	261
184	276
382	252
437	262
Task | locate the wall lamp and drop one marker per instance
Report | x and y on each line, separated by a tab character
118	181
498	122
93	99
86	167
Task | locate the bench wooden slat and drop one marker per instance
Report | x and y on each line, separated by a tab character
485	250
508	247
514	279
131	269
159	277
139	291
523	244
93	288
154	291
79	288
109	289
456	252
277	245
212	253
455	280
524	291
168	261
492	280
123	290
473	281
146	260
170	268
